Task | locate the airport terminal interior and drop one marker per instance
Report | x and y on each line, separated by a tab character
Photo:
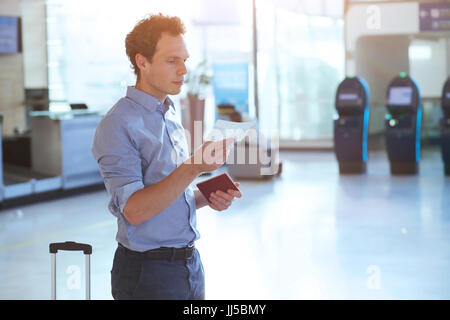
340	110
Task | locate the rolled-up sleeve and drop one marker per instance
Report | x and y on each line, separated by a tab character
118	160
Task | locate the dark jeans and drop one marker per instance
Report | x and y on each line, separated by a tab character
136	277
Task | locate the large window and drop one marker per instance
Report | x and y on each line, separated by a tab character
86	46
300	64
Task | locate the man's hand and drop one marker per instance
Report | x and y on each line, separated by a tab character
210	156
220	200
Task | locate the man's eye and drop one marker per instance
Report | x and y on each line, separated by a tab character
171	61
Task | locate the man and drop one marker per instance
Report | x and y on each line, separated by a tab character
142	155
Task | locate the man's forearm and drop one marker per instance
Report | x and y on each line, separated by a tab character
150	201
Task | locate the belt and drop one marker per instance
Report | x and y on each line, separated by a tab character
164	253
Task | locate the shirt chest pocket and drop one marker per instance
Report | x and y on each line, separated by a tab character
177	136
180	145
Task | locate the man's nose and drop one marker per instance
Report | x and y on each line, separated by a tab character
182	70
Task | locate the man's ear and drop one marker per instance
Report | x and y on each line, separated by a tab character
141	61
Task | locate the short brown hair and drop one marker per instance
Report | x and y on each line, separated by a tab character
146	33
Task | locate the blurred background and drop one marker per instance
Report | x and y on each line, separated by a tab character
308	228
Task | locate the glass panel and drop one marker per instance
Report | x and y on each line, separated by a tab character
86	55
301	62
226	47
428	66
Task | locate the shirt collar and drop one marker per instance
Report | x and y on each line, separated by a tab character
148	101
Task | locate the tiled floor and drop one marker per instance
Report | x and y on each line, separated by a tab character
310	234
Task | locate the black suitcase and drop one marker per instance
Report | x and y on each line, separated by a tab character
71	246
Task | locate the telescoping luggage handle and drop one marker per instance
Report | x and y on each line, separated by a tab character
71	246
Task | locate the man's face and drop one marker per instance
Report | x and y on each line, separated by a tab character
165	73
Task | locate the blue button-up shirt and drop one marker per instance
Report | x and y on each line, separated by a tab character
138	143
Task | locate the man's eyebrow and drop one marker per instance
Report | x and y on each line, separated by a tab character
177	57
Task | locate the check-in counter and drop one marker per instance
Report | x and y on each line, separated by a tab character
61	146
14	181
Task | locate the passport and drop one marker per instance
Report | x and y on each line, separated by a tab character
221	182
